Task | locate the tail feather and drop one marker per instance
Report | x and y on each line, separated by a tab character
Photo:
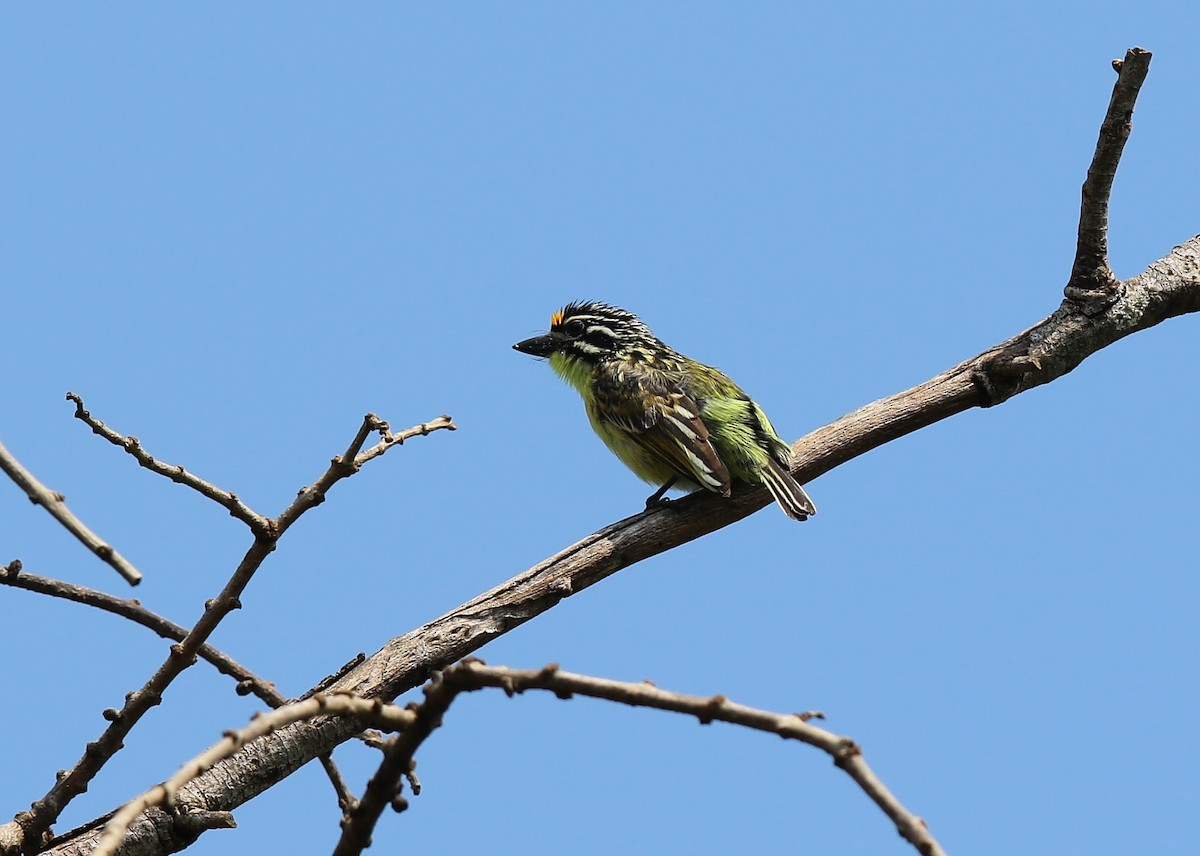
787	491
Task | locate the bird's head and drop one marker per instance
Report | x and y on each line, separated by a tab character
589	332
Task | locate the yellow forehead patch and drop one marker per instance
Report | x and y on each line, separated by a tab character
556	318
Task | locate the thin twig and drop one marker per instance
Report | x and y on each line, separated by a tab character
345	797
349	462
383	789
1091	276
176	473
55	503
386	716
473	675
248	682
42	814
398	438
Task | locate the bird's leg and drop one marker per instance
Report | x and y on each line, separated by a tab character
657	497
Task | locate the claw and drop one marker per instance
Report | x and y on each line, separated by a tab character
657	498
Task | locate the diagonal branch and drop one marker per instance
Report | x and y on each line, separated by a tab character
183	654
1091	276
248	682
473	675
55	503
1170	287
257	523
1037	356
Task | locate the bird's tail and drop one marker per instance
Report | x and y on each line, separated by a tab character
787	491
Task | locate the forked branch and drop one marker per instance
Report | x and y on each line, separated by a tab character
1092	281
417	722
375	713
473	675
36	822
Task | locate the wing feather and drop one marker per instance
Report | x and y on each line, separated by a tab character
664	421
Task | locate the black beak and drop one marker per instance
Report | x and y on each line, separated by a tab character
538	346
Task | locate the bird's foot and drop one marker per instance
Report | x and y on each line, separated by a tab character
658	497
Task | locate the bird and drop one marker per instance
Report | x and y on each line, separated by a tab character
673	421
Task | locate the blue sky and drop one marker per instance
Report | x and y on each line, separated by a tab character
236	229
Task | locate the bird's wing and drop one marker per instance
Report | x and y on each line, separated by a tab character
662	419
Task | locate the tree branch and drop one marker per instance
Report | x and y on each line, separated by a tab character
257	523
374	712
36	822
247	682
1052	348
1092	282
15	577
473	675
55	503
417	722
349	462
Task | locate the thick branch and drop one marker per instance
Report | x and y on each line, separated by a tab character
55	503
1039	355
374	713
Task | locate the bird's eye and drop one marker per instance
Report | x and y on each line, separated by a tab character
573	328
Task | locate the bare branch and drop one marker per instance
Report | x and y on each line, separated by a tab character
845	752
1092	279
42	814
348	463
473	675
176	473
248	682
345	797
183	654
383	789
376	713
1041	354
55	503
416	722
390	439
